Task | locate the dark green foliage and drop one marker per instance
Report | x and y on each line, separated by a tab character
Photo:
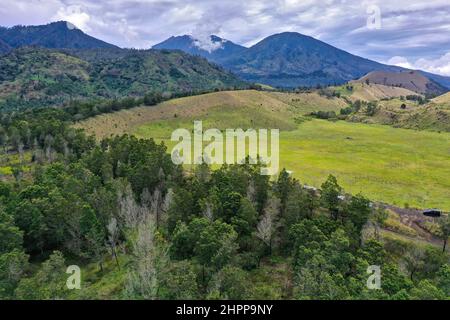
45	77
229	233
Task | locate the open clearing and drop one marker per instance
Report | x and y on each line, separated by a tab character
397	166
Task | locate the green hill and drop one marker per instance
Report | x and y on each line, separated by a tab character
37	77
404	113
60	34
372	159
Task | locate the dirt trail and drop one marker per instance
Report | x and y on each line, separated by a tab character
415	219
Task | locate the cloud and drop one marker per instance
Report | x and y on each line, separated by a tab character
441	65
414	29
75	15
202	35
400	62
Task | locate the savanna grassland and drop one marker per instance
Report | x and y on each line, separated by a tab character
397	166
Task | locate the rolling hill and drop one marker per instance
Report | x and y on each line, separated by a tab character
268	109
373	159
433	115
217	50
411	80
372	91
59	34
443	99
36	77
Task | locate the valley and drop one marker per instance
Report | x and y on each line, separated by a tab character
397	166
89	184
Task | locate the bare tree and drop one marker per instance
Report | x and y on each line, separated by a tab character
20	148
266	226
113	238
251	193
150	259
208	211
130	212
265	230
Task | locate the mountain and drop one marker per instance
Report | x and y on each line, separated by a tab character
36	77
4	47
59	34
217	50
291	59
411	80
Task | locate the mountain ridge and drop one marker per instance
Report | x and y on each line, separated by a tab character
291	59
55	35
39	77
220	48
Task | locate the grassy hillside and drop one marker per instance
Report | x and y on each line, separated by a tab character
371	92
443	99
411	80
33	77
407	114
396	166
255	109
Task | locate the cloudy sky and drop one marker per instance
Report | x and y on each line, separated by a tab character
410	33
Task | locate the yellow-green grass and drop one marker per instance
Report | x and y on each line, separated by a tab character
372	92
396	166
394	223
408	114
443	99
238	106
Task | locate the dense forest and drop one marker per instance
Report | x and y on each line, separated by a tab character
125	214
32	77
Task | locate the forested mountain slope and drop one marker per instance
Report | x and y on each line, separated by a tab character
37	77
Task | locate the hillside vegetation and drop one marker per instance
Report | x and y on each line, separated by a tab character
36	77
255	109
391	165
443	99
371	92
140	227
410	112
59	34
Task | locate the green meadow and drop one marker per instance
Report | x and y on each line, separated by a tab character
397	166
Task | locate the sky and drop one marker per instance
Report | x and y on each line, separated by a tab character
409	33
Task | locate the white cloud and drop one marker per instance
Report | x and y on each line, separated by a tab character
400	62
74	14
410	28
202	35
440	65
